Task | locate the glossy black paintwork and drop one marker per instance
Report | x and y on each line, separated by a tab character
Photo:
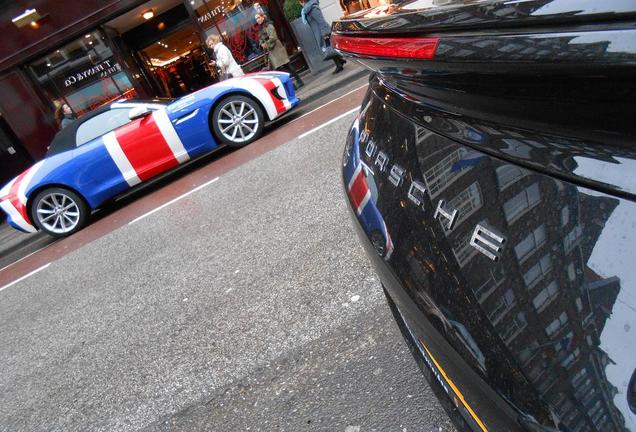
523	124
483	320
463	15
566	109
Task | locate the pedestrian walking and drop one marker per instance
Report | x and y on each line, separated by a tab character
312	16
223	58
64	115
276	52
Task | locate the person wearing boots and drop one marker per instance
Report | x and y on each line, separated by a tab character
276	52
312	15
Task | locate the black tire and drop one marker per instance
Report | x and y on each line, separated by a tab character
59	212
235	129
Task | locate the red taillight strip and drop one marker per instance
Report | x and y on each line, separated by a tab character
397	47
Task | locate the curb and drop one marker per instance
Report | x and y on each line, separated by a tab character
319	92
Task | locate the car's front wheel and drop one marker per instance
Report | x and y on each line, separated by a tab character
237	121
59	212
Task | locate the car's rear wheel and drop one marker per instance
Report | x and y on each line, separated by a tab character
59	212
237	121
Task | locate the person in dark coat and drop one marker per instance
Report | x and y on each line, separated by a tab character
64	115
312	15
276	52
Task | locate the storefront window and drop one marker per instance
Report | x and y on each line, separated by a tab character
83	74
234	20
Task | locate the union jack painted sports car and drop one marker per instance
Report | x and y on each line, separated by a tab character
118	146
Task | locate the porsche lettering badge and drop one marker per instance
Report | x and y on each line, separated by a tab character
485	240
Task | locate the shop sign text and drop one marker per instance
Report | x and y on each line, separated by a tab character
101	70
211	13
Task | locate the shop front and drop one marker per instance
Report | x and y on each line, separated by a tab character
85	74
139	49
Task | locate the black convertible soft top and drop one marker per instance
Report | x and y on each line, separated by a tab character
65	139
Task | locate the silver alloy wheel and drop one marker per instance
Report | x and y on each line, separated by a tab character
58	213
238	121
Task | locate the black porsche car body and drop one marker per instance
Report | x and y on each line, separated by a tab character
491	178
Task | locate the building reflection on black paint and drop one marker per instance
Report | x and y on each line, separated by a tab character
531	322
541	300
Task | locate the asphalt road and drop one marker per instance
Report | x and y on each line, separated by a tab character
247	305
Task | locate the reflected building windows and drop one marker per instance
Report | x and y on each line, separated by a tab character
546	383
566	410
536	373
444	172
538	271
528	353
579	304
532	242
555	326
588	399
467	201
583	388
565	216
571	272
546	296
421	134
579	378
569	360
502	306
463	251
495	278
513	327
571	239
522	202
509	174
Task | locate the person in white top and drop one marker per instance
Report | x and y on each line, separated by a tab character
223	58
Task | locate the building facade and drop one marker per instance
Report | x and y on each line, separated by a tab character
88	53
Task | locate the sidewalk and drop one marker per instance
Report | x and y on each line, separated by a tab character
322	83
11	240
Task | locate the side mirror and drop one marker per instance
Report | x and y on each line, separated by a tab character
139	112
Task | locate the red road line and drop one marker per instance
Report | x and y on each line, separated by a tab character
189	181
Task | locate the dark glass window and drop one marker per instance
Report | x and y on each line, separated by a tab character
236	23
83	73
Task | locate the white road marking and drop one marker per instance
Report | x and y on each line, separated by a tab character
25	276
327	123
325	104
172	201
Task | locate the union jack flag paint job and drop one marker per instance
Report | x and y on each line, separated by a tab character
141	149
357	177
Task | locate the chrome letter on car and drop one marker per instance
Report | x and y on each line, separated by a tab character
396	175
417	193
487	242
449	215
381	161
371	148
